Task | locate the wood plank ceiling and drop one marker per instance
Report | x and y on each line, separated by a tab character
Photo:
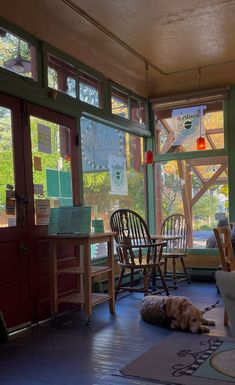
118	38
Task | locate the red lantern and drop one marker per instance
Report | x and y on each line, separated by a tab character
148	157
201	143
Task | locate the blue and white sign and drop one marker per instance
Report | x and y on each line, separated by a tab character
118	175
98	142
188	124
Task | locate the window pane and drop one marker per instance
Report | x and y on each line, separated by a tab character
177	130
61	76
51	159
138	111
197	188
113	174
119	103
90	90
17	55
7	184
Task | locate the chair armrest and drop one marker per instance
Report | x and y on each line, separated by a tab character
155	244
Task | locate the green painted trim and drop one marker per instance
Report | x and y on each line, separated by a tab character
230	109
150	187
189	155
116	123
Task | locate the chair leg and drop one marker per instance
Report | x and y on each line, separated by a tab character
225	318
174	273
145	276
165	267
185	270
120	280
163	281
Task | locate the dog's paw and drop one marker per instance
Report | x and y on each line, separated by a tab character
209	322
204	329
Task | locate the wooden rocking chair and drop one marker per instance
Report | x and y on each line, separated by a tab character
136	250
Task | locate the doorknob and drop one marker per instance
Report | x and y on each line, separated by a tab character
23	248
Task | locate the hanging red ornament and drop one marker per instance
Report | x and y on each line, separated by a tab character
201	143
148	157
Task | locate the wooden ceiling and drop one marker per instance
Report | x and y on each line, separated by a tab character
118	37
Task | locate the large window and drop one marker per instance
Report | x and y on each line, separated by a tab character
113	171
51	159
198	186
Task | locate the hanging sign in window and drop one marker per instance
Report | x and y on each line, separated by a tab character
98	142
42	211
44	138
118	175
10	202
188	124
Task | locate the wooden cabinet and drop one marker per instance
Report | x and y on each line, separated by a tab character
85	271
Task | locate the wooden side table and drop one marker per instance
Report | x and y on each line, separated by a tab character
85	270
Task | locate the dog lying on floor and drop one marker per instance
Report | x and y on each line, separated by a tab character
177	312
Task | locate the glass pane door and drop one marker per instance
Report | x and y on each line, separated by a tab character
51	161
7	182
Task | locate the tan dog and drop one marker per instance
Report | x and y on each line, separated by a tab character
178	312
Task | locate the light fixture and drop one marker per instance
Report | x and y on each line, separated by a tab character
201	141
18	64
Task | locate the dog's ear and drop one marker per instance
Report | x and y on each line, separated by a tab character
184	320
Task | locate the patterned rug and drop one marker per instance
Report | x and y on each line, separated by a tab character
184	358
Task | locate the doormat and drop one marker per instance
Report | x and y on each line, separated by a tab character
184	358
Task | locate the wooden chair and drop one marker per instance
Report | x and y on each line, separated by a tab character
136	250
223	239
176	249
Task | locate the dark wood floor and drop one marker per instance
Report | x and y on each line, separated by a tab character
71	353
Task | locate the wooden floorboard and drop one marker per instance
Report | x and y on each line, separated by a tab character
70	353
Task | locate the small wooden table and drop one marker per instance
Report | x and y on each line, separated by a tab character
84	296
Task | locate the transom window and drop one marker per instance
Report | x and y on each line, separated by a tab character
119	101
17	55
62	76
90	90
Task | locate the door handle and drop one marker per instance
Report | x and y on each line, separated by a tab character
21	212
23	248
22	199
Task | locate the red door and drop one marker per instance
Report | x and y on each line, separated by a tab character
39	170
14	257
